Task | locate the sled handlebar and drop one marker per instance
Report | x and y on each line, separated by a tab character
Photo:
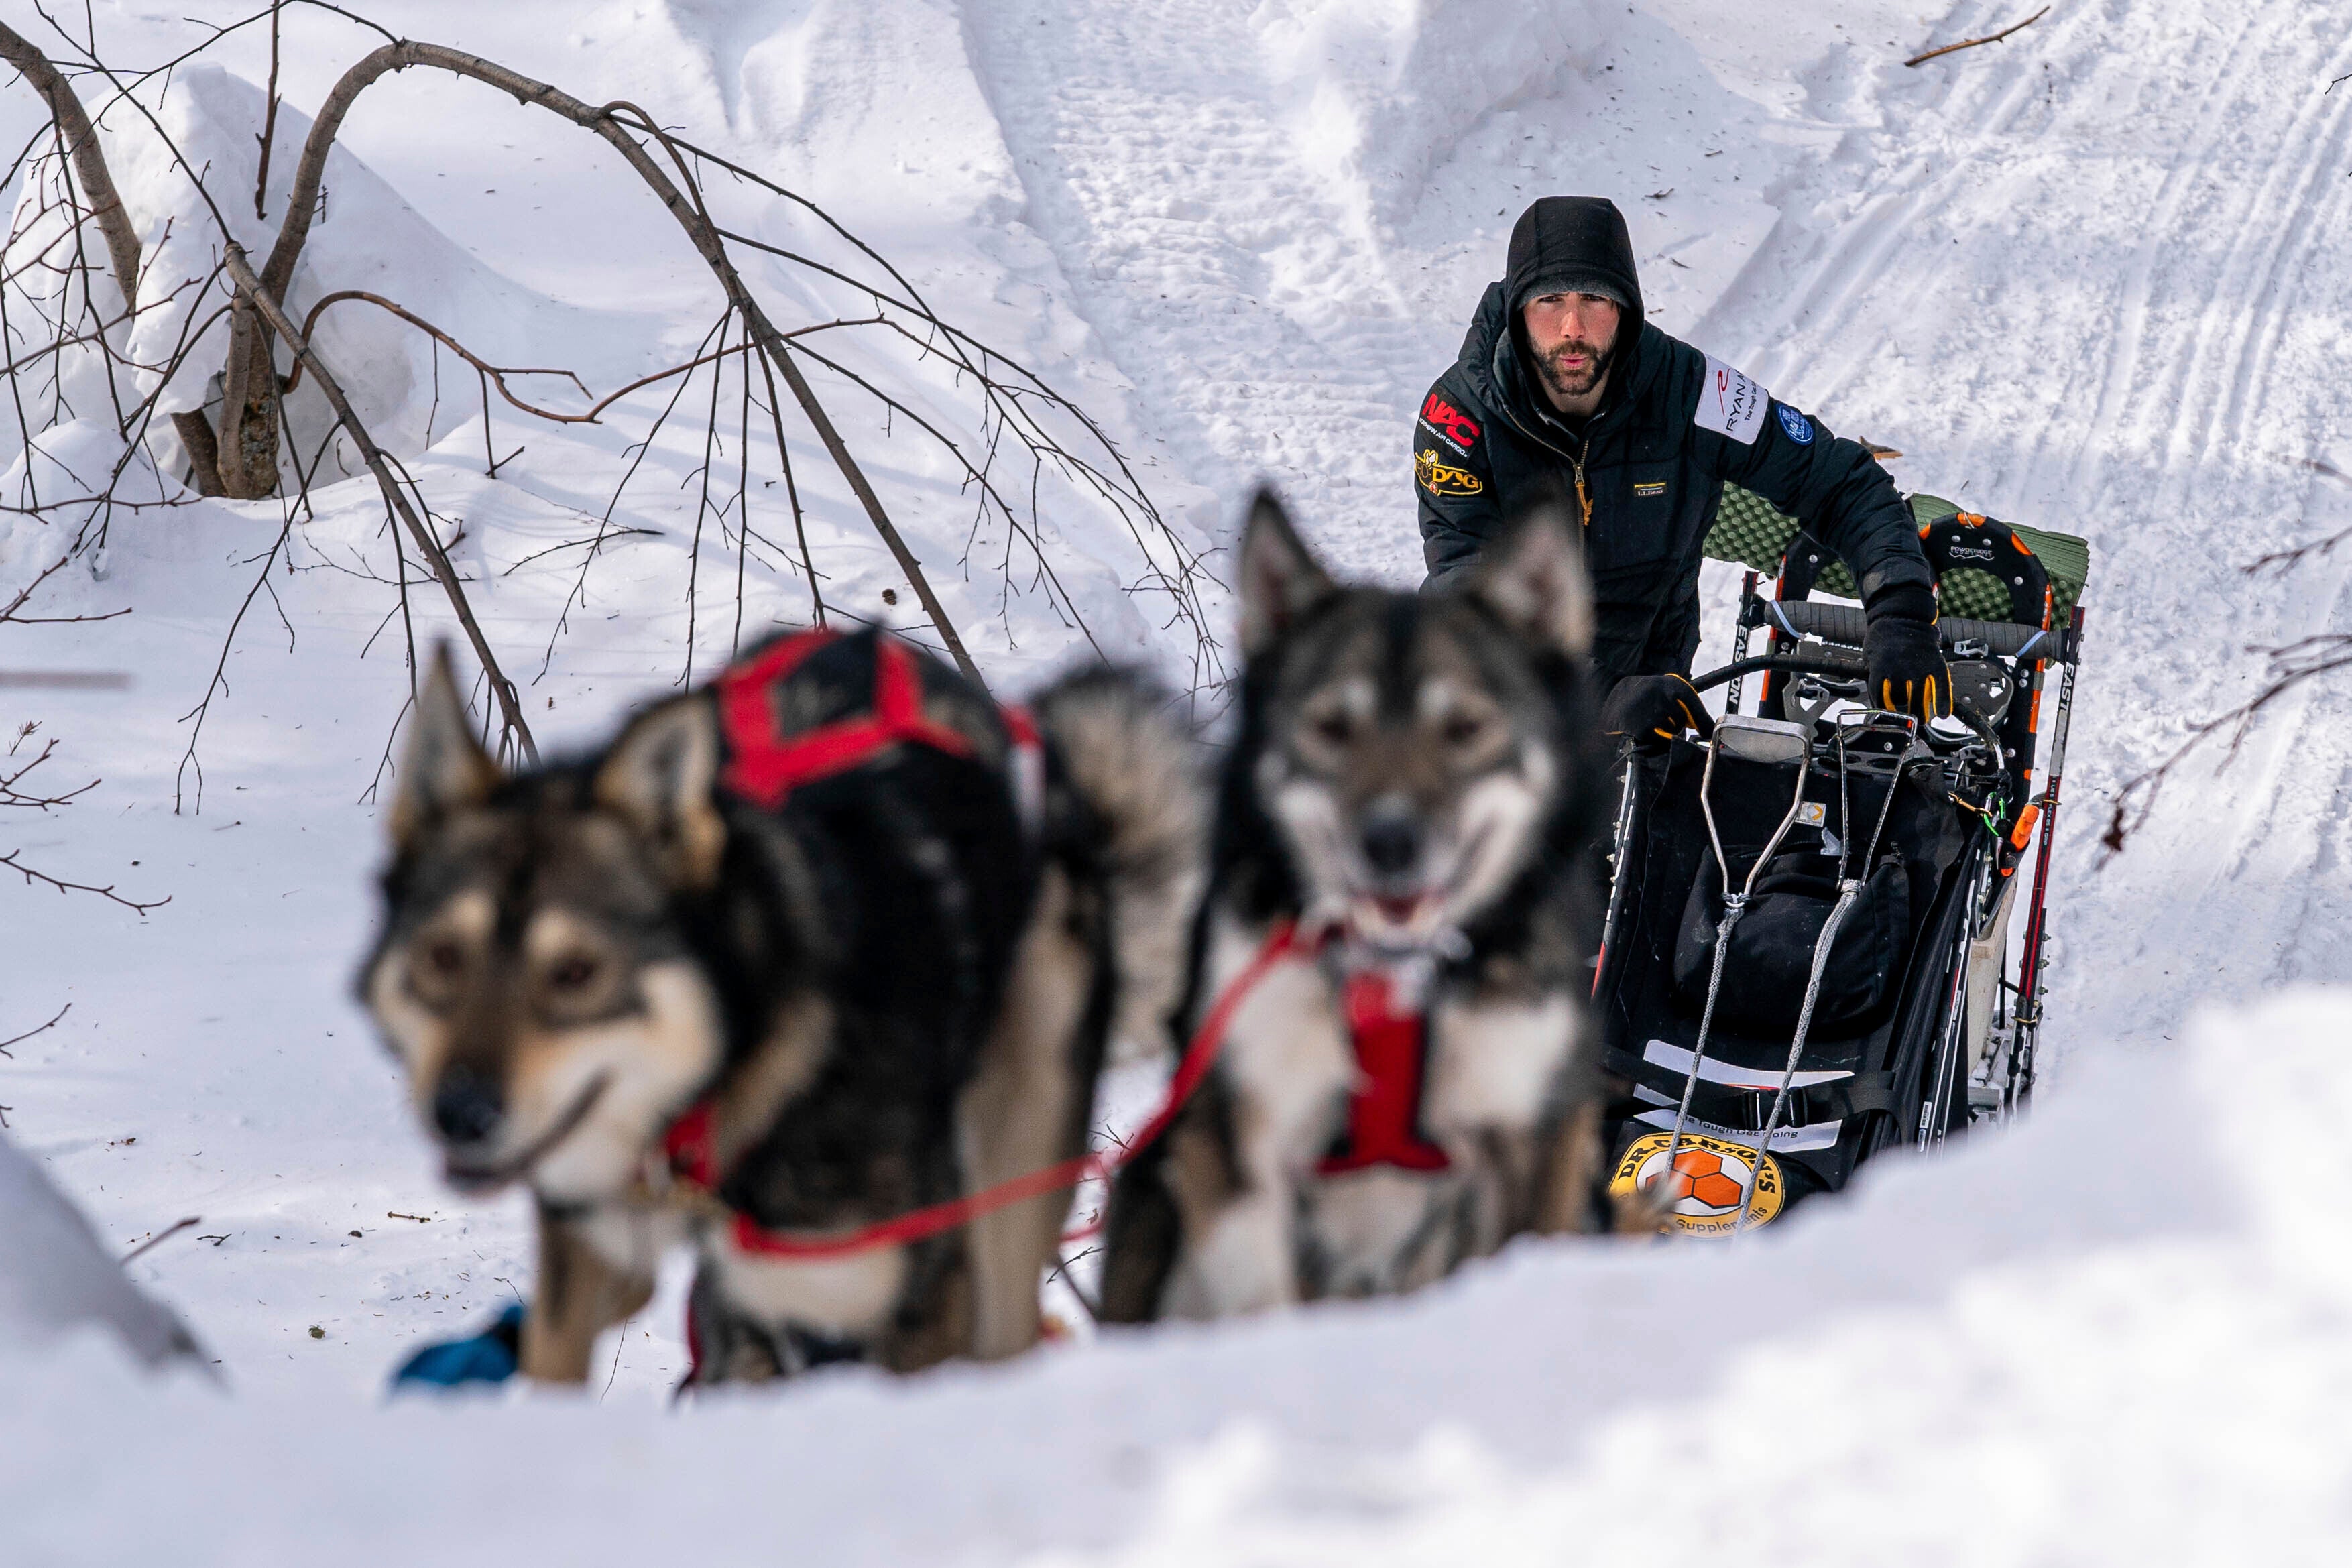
1846	623
1840	664
1835	662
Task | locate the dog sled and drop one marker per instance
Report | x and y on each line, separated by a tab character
1816	945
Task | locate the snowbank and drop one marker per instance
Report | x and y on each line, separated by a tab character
2116	1335
55	1277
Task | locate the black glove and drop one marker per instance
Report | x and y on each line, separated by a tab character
1904	655
1653	710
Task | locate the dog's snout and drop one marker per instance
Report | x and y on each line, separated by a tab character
469	1106
1391	843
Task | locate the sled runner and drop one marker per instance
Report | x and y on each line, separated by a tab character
1807	957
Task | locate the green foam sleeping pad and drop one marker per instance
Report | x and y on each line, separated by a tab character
1750	531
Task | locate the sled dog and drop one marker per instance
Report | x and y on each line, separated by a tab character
825	942
1416	794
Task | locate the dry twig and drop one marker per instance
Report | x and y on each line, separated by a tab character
1972	43
42	1029
108	892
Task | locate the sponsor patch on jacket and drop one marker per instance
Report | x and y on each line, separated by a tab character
1450	424
1648	488
1795	425
1730	403
1441	479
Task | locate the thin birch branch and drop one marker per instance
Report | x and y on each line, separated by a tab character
250	287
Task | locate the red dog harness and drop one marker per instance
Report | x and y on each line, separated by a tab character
1391	1059
767	764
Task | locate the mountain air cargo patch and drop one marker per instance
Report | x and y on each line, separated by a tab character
1440	479
1798	428
1709	1181
1449	425
1730	403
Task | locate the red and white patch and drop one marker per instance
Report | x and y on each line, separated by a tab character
1730	403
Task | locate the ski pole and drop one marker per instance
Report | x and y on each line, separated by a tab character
2037	926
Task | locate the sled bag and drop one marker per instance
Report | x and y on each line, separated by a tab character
1771	952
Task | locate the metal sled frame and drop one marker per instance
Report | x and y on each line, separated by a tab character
1961	1041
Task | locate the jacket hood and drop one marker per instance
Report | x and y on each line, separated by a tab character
1580	243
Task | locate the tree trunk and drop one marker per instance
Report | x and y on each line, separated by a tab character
249	416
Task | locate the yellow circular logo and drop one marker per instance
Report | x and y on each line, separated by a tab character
1709	1181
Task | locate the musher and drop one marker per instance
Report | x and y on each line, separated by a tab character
1561	381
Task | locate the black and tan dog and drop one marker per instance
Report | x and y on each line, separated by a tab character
832	915
1417	791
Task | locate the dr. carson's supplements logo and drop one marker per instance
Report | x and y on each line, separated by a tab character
1708	1182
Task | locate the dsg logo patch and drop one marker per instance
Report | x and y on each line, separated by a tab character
1441	480
1794	426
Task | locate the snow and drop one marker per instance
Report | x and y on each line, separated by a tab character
2085	278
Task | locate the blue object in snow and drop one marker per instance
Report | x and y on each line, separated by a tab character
489	1356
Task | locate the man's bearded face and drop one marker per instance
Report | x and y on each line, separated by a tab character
1571	336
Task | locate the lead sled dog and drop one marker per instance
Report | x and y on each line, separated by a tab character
1411	810
836	939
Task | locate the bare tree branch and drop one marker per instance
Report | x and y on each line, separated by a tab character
105	208
510	704
277	272
41	1029
108	892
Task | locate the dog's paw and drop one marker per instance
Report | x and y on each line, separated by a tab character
1649	1211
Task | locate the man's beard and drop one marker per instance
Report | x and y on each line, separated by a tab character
1566	383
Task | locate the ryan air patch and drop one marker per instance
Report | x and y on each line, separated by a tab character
1440	479
1798	428
1709	1181
1730	403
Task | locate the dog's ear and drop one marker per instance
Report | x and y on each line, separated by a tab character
443	768
1533	577
662	777
1280	579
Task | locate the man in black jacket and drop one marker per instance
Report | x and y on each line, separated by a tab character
1564	386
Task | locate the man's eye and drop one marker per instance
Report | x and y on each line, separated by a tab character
444	959
1333	729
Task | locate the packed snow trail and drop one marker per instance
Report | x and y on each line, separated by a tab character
1280	218
2151	358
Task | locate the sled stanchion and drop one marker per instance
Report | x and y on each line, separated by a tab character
1734	903
1739	643
1849	889
2028	1035
1616	870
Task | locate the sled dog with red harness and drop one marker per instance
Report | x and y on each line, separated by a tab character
1411	814
828	943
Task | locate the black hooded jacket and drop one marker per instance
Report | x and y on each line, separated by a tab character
1673	425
